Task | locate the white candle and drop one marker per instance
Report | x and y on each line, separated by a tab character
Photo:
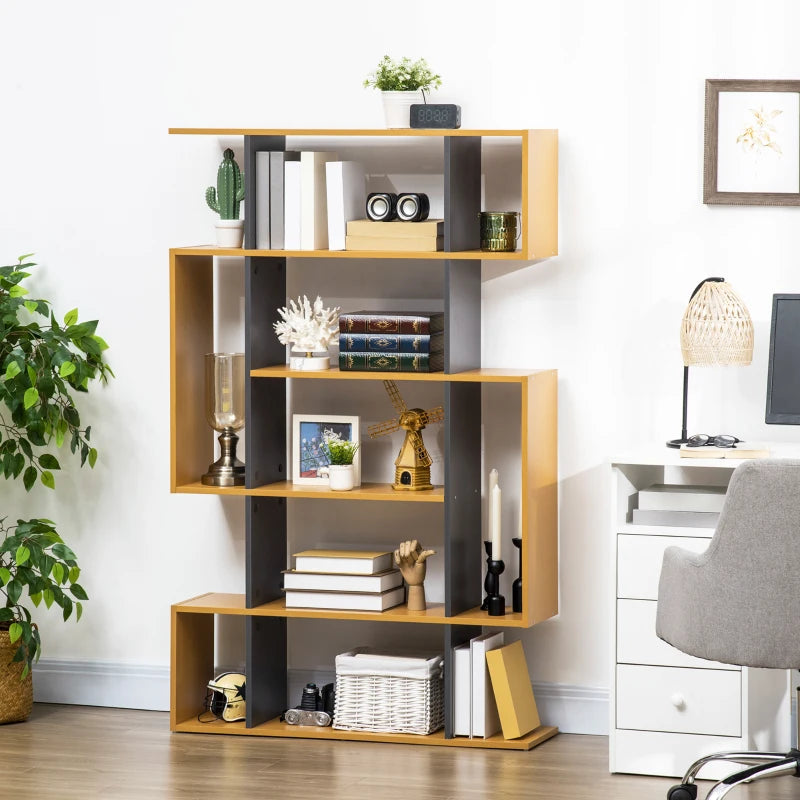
495	526
493	477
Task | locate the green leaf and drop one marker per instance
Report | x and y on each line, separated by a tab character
25	670
79	609
14	631
48	480
31	305
67	606
58	572
48	596
22	555
25	257
100	341
25	446
63	552
17	291
49	461
5	575
31	375
92	457
31	397
29	478
74	574
14	591
12	370
36	598
71	317
78	591
66	368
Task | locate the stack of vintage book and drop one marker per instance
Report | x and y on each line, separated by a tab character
422	237
349	580
391	341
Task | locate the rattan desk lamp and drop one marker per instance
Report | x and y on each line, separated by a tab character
716	331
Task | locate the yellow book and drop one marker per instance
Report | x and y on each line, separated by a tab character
417	244
513	692
742	450
396	230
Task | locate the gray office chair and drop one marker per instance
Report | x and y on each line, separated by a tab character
739	601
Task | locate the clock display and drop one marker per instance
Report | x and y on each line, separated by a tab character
435	115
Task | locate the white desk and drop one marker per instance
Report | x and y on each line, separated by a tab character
667	708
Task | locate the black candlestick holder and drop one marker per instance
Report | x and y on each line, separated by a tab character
516	587
494	603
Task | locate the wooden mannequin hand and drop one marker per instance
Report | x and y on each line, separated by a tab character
410	557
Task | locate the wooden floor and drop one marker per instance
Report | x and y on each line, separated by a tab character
80	753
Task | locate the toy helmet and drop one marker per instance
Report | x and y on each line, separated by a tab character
226	699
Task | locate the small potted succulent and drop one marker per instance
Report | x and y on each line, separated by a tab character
402	83
308	328
341	453
225	200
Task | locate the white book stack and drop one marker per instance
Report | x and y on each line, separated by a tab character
678	505
313	200
346	186
343	579
292	205
475	709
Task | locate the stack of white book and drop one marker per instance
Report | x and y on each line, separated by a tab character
679	505
475	708
348	580
304	200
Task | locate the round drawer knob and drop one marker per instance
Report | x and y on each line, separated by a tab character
678	701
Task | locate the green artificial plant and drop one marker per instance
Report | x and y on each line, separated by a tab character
225	199
41	366
403	76
339	451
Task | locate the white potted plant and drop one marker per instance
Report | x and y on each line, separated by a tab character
308	328
341	453
402	83
225	200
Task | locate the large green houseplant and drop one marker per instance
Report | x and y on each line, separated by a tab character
42	364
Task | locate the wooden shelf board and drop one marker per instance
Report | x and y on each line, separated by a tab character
234	604
484	375
393	132
274	727
439	255
367	491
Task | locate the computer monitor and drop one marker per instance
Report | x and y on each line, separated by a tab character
783	377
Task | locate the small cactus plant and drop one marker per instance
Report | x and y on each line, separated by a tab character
229	193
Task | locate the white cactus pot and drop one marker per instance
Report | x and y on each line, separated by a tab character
230	232
397	107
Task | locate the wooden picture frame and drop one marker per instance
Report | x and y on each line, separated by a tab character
307	430
752	143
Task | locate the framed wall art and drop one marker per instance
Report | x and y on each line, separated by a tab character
752	143
308	453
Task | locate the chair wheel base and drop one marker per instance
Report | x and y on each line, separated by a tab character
683	791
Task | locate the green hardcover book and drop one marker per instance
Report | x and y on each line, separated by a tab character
391	362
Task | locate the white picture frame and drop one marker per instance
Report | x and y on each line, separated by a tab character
305	456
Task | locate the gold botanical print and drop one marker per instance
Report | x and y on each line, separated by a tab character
758	136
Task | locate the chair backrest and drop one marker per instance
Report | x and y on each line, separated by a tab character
739	601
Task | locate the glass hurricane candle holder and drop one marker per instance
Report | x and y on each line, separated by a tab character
225	413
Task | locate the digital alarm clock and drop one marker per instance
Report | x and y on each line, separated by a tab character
435	115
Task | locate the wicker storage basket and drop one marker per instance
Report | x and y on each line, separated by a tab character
16	696
388	694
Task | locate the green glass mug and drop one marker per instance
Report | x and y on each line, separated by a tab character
499	230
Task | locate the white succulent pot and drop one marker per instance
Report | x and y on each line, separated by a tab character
341	477
230	232
397	107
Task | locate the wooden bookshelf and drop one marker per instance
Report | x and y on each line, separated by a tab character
267	493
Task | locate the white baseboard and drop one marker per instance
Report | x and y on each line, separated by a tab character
574	709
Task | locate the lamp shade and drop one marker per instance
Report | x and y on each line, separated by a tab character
716	328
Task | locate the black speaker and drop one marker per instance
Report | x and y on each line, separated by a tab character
381	206
413	207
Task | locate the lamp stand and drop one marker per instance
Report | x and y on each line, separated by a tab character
676	443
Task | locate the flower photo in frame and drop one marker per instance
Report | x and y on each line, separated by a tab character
308	455
752	142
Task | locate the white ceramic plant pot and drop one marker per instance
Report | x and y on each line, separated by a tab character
230	232
341	477
397	107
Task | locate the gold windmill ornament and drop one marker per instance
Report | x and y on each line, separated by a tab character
413	464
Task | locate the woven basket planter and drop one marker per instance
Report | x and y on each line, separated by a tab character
16	696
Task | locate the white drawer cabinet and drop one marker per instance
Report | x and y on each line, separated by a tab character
667	708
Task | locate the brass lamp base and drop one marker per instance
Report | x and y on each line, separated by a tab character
227	470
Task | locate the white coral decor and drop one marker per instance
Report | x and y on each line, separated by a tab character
308	328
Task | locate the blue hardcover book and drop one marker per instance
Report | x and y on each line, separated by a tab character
391	342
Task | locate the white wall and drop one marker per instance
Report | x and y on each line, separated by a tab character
92	182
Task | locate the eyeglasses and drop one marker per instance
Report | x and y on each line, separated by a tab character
704	440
